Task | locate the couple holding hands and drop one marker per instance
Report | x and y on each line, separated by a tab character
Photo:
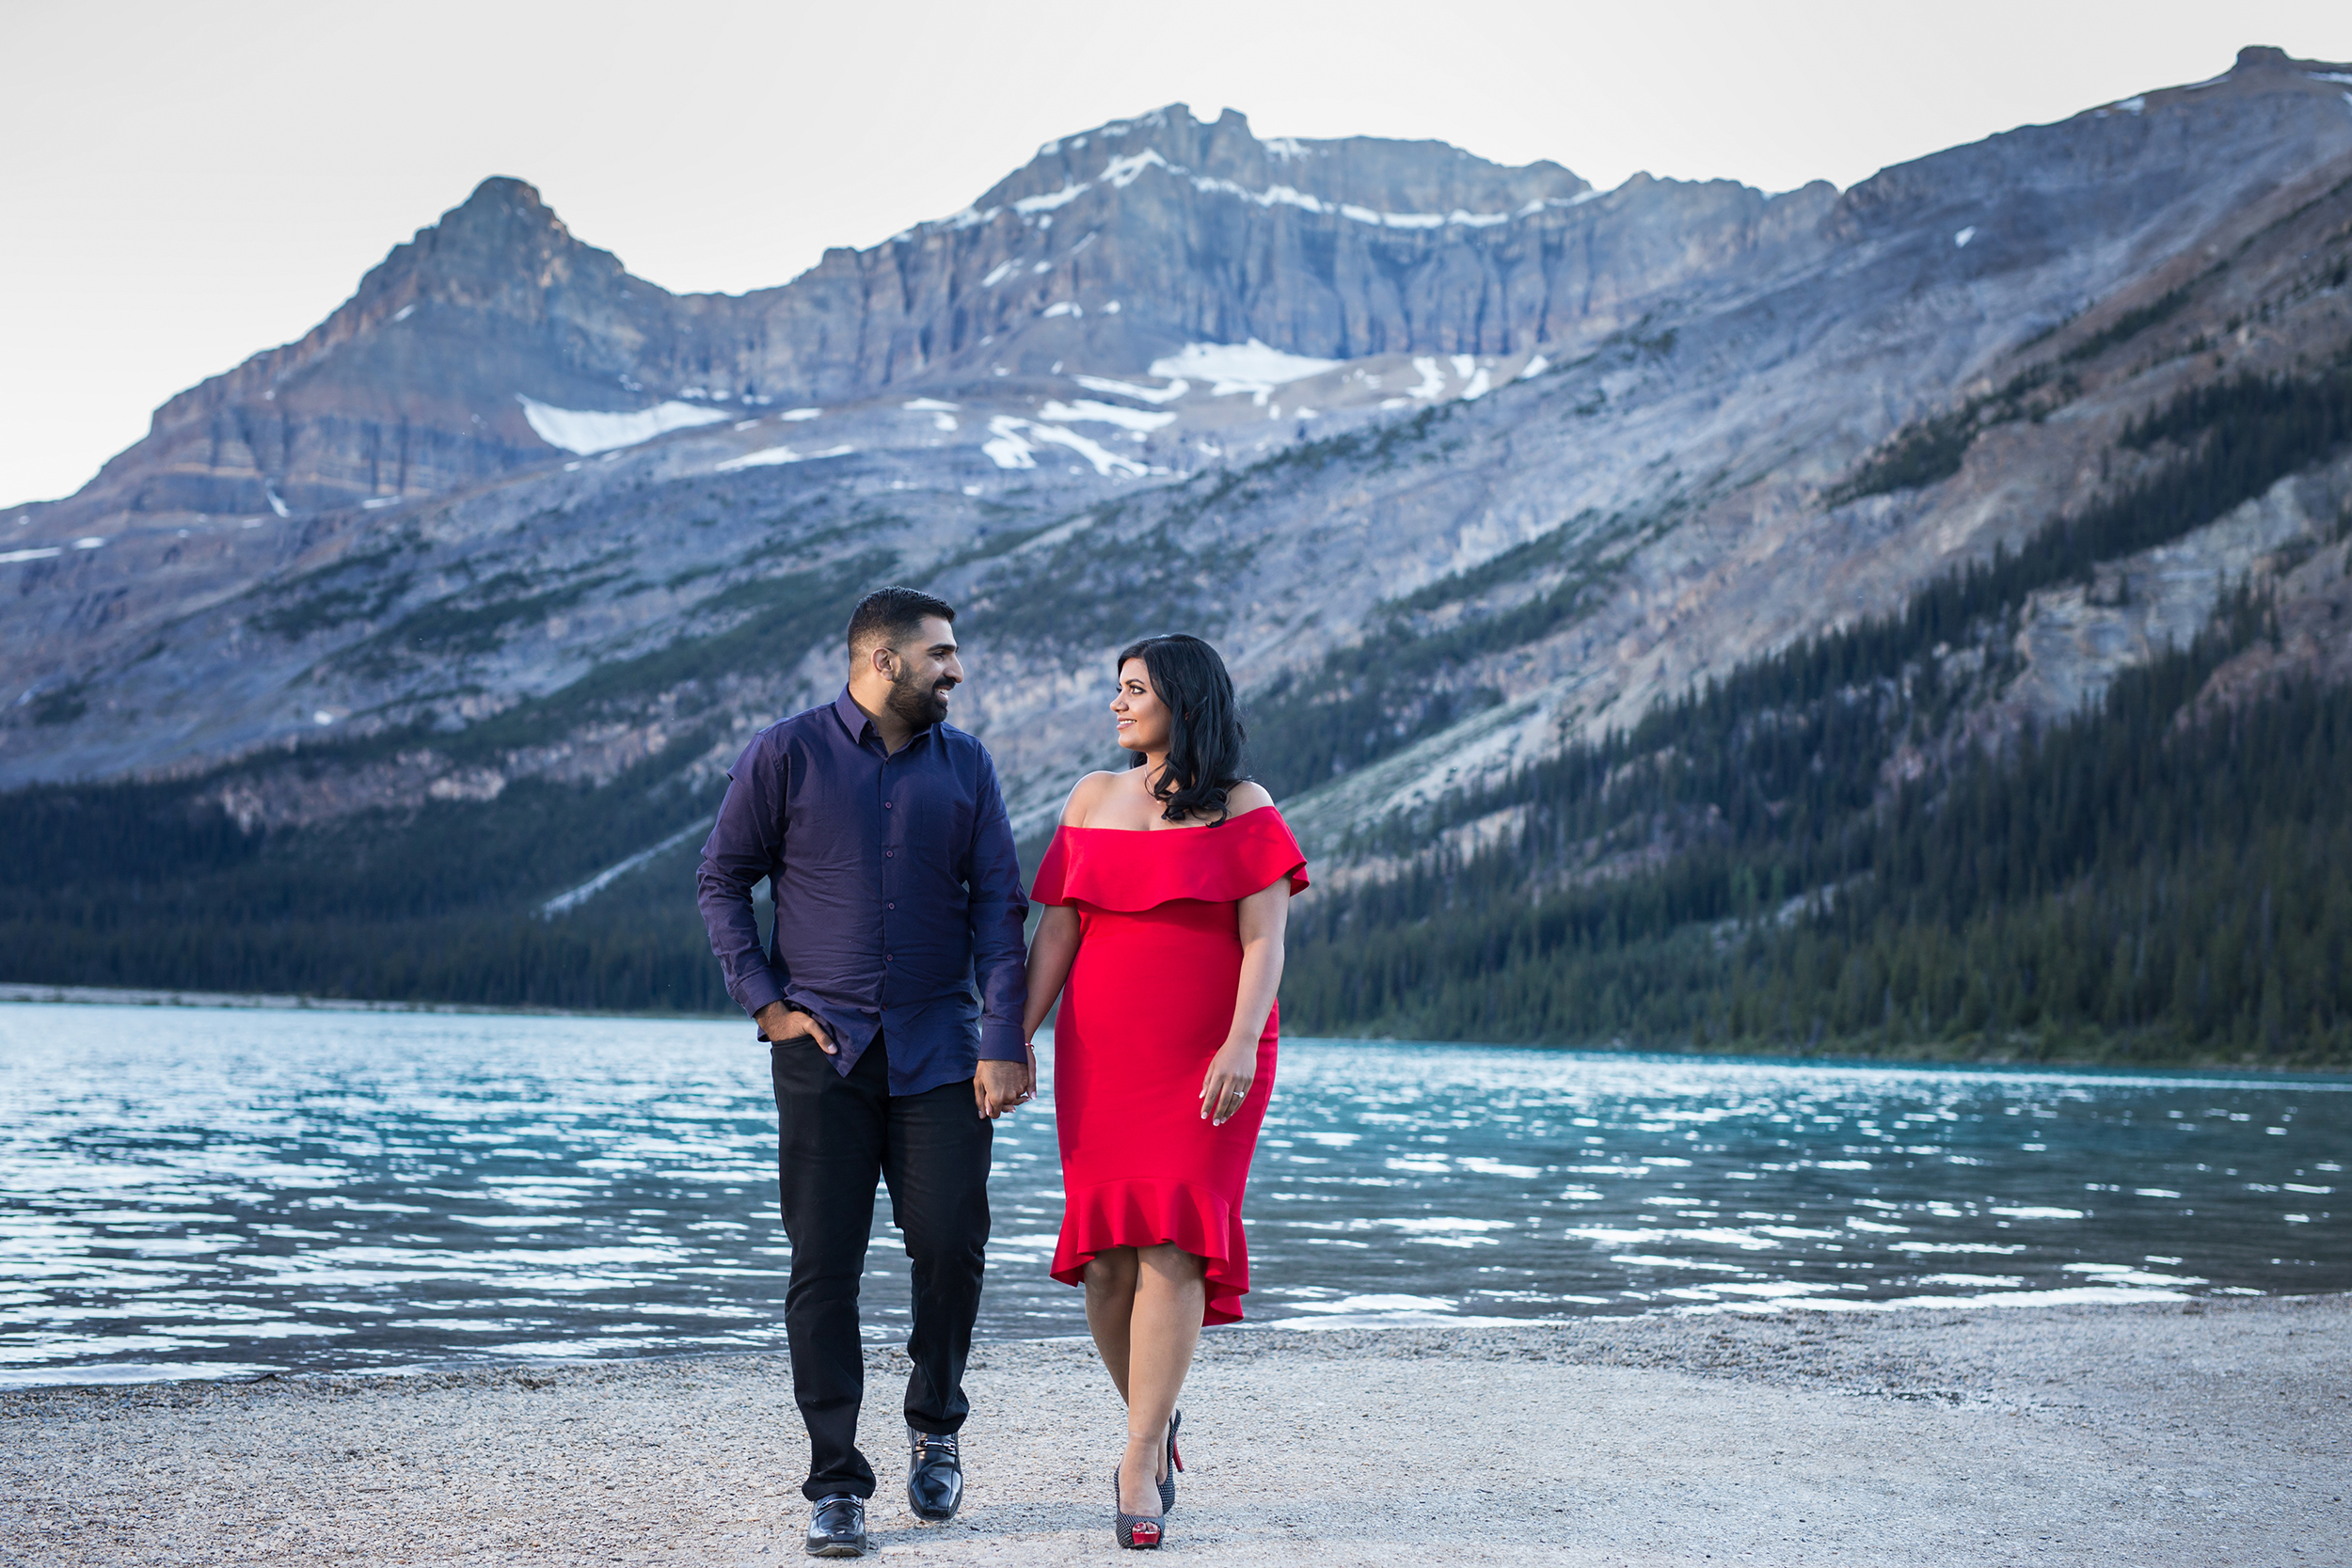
898	1011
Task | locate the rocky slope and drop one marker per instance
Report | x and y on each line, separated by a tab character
1109	249
1459	463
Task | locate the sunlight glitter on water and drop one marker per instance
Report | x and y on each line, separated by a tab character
211	1193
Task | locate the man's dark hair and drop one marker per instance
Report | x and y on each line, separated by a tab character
888	616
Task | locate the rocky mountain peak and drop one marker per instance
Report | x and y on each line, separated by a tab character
503	221
1371	174
502	248
500	201
495	342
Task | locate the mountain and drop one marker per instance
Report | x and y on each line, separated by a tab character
494	342
1171	230
1487	482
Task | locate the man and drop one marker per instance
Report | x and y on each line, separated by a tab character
884	839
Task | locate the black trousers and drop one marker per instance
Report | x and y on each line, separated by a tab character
838	1135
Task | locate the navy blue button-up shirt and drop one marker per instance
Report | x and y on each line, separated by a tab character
897	896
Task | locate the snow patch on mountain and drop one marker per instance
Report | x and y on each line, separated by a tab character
583	430
1104	413
1251	367
1012	444
767	457
1122	172
1130	390
1028	205
1105	462
1005	447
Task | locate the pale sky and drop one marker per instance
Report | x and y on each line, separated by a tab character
185	185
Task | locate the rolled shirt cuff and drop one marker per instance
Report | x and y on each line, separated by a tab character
1002	1042
759	991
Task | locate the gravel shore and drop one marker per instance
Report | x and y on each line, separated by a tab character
2205	1433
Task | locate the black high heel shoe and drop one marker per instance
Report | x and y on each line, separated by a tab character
1175	1462
1136	1531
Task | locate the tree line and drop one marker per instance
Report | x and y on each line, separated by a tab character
1734	870
2122	884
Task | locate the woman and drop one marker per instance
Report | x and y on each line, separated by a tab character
1167	887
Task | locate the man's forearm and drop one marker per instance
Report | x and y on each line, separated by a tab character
756	989
999	908
1001	1040
1002	970
734	928
744	850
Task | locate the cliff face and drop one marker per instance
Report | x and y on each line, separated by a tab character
1488	459
410	388
1115	247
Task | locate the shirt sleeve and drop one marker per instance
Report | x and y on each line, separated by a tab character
999	909
746	845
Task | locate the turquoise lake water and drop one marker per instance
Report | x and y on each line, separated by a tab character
189	1192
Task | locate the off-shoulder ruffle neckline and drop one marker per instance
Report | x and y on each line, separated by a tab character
1197	828
1082	865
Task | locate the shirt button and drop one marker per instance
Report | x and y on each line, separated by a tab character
888	853
890	906
885	805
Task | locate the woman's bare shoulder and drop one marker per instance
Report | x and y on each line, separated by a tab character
1249	795
1083	795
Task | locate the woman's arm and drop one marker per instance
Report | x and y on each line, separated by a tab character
1056	944
1263	915
1051	952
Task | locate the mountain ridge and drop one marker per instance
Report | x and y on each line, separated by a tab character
1458	498
851	324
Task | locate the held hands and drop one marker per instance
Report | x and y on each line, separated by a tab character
998	1086
778	1023
1226	1083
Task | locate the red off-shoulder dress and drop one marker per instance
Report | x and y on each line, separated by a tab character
1148	1001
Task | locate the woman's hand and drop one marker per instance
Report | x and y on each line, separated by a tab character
1226	1084
997	1087
1259	923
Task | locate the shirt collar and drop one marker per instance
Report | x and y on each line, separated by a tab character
852	717
857	723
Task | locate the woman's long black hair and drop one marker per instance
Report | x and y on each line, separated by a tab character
1205	736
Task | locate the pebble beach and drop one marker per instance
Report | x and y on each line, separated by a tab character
2204	1432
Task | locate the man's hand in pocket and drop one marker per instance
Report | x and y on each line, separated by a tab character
779	1023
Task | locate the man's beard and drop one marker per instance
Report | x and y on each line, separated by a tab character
917	701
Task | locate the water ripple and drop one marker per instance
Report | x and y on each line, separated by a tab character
192	1193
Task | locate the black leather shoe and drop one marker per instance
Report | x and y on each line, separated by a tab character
934	1476
839	1527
